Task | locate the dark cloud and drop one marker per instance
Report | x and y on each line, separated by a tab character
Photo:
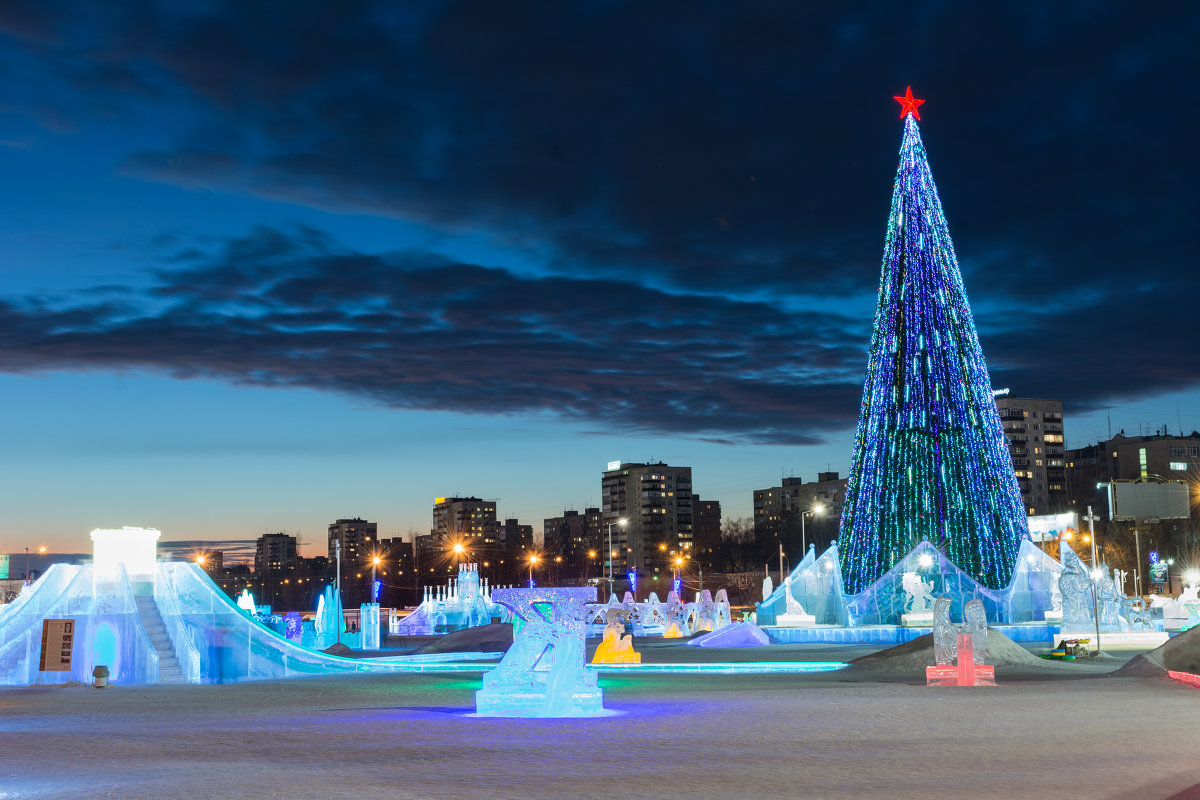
713	148
413	330
650	158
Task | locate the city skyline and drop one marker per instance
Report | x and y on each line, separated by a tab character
440	252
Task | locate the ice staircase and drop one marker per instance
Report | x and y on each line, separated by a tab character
169	670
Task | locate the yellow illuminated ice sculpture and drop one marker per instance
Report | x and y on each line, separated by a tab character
616	647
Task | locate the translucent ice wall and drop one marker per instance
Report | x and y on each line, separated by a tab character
816	583
108	629
214	640
883	602
1034	588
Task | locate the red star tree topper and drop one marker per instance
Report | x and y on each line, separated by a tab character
908	104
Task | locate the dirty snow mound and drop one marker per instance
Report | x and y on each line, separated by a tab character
494	638
915	655
1180	653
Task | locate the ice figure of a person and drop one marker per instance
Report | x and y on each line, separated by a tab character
793	605
920	598
1075	586
768	587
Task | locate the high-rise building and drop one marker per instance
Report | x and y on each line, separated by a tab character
706	531
398	555
656	502
796	513
515	538
1034	430
706	523
466	520
359	540
275	554
1139	457
573	534
211	561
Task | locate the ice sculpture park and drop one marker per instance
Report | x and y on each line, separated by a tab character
167	622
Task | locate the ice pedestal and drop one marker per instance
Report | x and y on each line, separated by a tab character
544	673
368	623
959	650
965	672
795	616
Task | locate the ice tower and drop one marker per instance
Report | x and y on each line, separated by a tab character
930	459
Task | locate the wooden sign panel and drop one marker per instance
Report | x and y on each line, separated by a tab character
58	635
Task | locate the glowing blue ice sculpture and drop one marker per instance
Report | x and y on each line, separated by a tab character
330	623
543	674
368	615
245	602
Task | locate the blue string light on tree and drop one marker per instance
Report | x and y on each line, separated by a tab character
930	459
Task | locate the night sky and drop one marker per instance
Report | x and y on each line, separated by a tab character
271	264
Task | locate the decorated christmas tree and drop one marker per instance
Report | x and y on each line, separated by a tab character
930	459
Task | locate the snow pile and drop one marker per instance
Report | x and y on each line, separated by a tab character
496	637
916	655
1179	653
739	634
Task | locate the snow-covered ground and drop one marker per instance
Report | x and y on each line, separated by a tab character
1046	730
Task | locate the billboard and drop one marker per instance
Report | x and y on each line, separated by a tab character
1047	527
1132	501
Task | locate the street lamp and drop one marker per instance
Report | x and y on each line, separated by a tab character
818	510
1097	574
622	522
1091	520
679	562
532	561
374	564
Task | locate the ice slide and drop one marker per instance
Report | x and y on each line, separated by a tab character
179	627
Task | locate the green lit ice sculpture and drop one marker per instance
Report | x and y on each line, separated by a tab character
544	673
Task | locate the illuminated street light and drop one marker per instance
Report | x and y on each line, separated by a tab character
817	509
533	560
